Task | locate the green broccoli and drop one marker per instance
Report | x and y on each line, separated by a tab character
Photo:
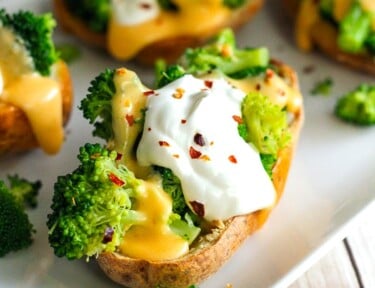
222	54
92	206
15	228
354	29
166	75
35	33
267	127
98	104
233	4
94	13
357	106
323	87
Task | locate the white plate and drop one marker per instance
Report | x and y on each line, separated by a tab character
331	181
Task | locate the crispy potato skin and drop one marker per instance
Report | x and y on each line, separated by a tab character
168	49
15	130
324	38
202	262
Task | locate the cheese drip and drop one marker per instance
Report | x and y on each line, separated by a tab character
38	97
192	19
153	240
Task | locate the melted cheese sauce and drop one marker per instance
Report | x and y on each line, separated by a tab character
39	97
149	25
153	240
308	15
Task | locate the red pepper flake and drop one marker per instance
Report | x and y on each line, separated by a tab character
199	140
115	180
258	87
269	74
194	154
178	93
149	92
108	235
164	144
176	156
130	119
238	119
232	159
119	156
149	129
198	208
183	121
208	83
145	5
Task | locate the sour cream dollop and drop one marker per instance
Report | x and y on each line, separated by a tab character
191	128
134	12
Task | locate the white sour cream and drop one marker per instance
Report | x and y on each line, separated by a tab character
133	12
191	128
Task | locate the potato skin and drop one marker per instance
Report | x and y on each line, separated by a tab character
15	129
215	249
324	38
169	49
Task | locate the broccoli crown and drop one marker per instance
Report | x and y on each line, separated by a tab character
168	74
35	32
24	191
266	123
92	206
15	228
222	54
94	13
97	105
357	106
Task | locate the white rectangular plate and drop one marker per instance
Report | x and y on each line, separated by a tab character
331	181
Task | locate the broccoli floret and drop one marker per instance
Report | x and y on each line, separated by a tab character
24	191
233	4
354	29
15	228
370	43
222	54
323	87
98	104
266	123
168	74
357	106
94	13
92	206
35	32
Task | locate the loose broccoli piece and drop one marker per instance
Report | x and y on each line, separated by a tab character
357	106
94	13
354	29
222	54
323	87
35	32
15	228
233	4
98	104
92	206
266	123
370	43
166	75
24	191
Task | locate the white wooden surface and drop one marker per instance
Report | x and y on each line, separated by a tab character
351	263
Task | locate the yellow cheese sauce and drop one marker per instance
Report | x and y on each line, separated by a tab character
38	97
309	14
153	240
209	14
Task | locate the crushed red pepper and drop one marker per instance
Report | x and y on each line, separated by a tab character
198	208
199	140
238	119
179	93
164	144
194	154
208	83
115	180
149	92
130	119
232	159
